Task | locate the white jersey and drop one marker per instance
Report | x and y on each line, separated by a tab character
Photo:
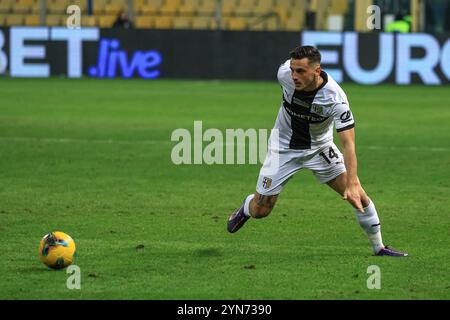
305	120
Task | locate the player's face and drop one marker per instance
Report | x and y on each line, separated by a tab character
304	74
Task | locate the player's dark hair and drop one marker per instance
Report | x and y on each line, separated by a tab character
309	52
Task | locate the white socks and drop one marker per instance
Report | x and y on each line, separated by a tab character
370	222
247	205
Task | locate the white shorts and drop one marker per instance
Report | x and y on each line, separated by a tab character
326	162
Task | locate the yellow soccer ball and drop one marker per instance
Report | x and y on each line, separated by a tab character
57	250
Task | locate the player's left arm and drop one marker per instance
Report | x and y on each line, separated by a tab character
345	124
353	191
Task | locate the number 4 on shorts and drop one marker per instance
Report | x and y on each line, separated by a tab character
331	155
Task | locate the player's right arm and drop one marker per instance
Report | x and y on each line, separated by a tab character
284	77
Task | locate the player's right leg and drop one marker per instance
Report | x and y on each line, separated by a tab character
275	172
261	205
255	205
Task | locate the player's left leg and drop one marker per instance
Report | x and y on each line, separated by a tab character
328	167
369	220
338	184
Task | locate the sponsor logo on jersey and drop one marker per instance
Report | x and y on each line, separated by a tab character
313	118
346	116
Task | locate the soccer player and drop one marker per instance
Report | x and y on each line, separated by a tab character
312	103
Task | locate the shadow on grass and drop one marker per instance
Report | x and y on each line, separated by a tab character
39	269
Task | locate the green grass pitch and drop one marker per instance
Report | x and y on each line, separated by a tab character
92	158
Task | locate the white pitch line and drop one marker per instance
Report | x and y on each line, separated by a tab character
155	142
403	148
71	140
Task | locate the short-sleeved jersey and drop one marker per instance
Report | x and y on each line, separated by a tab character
305	119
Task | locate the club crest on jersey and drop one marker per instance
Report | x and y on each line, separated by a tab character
317	109
267	182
